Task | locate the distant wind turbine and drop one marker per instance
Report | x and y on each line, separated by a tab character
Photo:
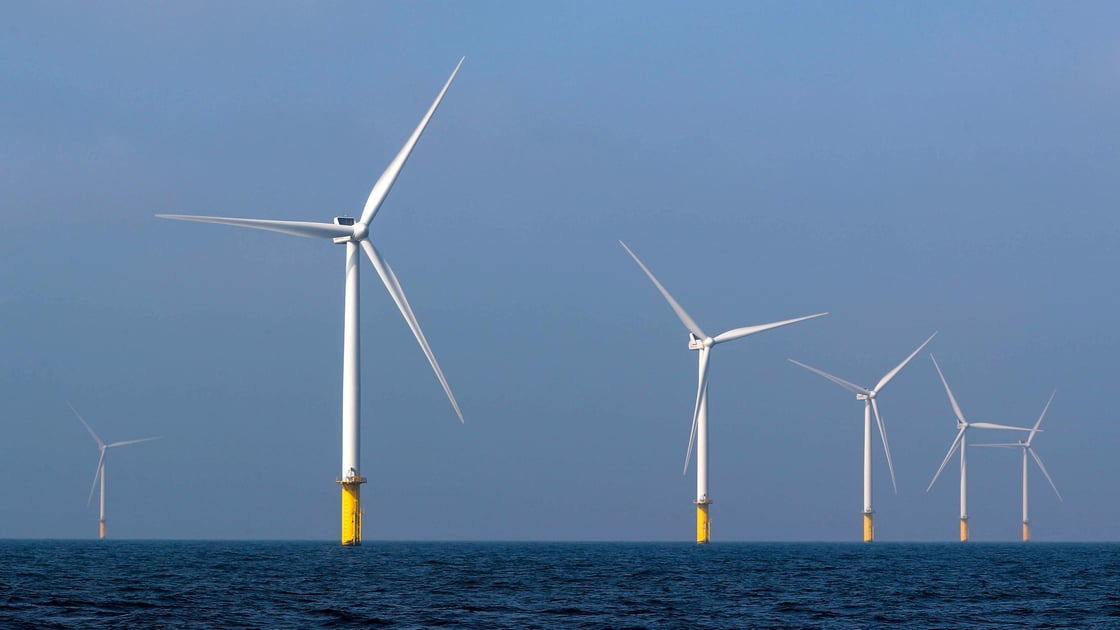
700	341
959	442
1026	446
99	473
868	397
355	235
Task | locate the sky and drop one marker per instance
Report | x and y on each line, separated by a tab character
909	168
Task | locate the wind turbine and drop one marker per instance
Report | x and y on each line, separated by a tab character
959	442
1026	446
698	340
355	235
100	472
868	397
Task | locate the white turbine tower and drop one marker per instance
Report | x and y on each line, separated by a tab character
700	341
960	442
355	235
868	397
99	473
1026	447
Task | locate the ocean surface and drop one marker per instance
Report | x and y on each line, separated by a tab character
137	584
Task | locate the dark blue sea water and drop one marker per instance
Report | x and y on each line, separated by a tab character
65	584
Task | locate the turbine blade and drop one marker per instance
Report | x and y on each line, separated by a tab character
956	443
989	425
886	445
96	438
952	399
701	388
736	333
306	229
681	314
1006	445
394	287
886	379
96	474
148	439
1045	472
1040	417
835	379
385	182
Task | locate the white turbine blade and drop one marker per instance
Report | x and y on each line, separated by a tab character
385	182
96	474
1040	417
886	445
952	449
96	438
989	425
1005	445
1045	472
681	314
952	399
835	379
397	293
886	379
736	333
148	439
701	388
306	229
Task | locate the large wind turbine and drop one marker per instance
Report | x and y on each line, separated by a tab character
700	341
100	472
959	442
868	397
355	235
1026	446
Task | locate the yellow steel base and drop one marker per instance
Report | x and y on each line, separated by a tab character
703	525
101	530
868	528
964	530
352	512
1026	531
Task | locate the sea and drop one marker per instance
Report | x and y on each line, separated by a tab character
194	584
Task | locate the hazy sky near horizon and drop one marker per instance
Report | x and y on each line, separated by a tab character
910	168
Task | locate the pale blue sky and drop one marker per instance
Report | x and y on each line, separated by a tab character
907	167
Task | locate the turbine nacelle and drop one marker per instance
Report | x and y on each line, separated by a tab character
360	230
696	343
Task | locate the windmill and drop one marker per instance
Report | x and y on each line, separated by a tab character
698	340
354	234
868	396
1026	447
99	473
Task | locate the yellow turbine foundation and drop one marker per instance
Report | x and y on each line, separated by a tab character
703	525
1026	531
101	530
352	512
964	530
868	528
